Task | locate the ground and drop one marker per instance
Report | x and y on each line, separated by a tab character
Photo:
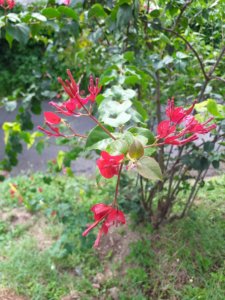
181	261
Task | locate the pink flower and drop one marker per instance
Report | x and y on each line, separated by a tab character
66	2
109	164
7	4
108	216
51	118
11	3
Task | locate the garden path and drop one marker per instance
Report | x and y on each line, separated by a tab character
30	160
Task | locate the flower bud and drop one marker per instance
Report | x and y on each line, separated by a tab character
136	150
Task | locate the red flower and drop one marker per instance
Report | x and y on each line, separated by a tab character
109	215
11	3
51	118
171	131
72	90
193	126
93	89
173	140
109	164
7	4
177	114
48	132
165	128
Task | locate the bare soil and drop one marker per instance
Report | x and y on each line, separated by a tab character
7	294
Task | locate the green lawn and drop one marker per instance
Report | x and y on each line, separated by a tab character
43	255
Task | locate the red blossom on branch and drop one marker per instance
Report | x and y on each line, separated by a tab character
7	4
109	164
171	130
73	91
106	214
177	114
51	118
55	130
165	128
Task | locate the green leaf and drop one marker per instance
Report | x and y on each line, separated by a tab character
124	16
9	38
129	56
143	112
39	17
19	32
106	80
97	11
9	127
60	159
213	108
51	12
155	13
69	12
144	135
120	120
13	17
132	80
40	146
149	168
117	147
98	138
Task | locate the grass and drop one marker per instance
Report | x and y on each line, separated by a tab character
183	260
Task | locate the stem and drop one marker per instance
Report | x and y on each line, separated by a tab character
96	121
117	186
103	127
193	50
217	62
74	132
184	7
158	113
191	194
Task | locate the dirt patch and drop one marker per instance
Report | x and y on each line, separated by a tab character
6	294
16	216
19	216
116	243
38	232
74	295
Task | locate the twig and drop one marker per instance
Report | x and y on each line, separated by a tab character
192	48
117	186
184	7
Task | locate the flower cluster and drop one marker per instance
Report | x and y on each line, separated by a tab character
7	4
71	107
182	127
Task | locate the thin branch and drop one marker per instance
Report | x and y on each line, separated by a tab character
184	7
218	78
209	75
217	62
117	186
159	115
193	50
